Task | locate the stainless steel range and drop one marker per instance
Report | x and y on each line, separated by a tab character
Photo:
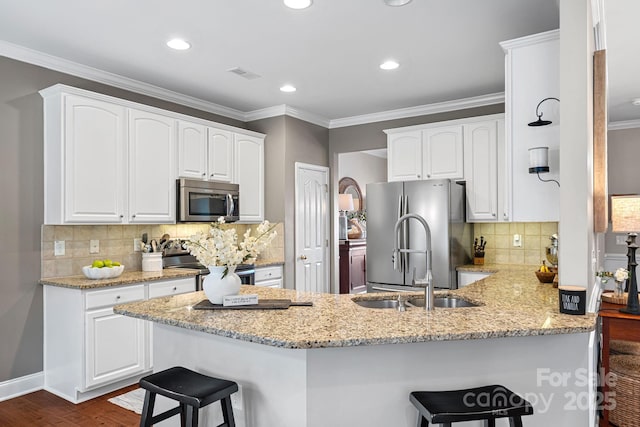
175	256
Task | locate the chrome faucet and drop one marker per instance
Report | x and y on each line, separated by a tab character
427	282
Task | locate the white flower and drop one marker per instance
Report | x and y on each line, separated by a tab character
220	246
621	275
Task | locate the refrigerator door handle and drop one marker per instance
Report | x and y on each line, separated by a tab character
398	257
405	235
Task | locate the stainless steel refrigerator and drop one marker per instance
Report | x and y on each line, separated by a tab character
442	204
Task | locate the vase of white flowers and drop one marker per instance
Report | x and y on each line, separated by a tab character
620	276
220	251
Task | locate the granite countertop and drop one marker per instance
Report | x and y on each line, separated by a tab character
513	304
126	278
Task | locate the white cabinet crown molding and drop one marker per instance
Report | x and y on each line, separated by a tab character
529	40
463	121
65	89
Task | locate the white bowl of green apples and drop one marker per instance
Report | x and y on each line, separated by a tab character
103	269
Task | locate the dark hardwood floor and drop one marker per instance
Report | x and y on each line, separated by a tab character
42	408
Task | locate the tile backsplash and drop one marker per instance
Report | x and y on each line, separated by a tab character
499	237
117	243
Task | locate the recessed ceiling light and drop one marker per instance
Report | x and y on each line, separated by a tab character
636	102
288	88
297	4
396	2
178	44
389	65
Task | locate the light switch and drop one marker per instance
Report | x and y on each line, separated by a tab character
94	246
517	240
137	244
58	248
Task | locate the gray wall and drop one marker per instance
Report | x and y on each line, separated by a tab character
289	140
623	152
21	216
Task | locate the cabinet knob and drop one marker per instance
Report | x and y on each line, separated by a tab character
133	216
175	288
117	296
204	174
493	214
121	216
418	176
211	175
303	257
428	175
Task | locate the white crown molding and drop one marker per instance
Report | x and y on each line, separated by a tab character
286	110
21	386
51	62
627	124
529	40
421	110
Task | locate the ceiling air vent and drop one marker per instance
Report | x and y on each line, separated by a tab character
244	73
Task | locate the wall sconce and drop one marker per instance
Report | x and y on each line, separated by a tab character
625	217
345	203
541	122
539	162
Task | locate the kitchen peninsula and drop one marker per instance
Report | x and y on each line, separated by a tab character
341	364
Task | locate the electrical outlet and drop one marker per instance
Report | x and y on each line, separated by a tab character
236	399
58	248
621	240
137	245
94	246
517	240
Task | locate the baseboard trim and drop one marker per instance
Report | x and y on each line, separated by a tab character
20	386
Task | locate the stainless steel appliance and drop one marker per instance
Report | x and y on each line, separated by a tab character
178	257
442	204
206	201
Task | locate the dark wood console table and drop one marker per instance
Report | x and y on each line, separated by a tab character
615	326
353	266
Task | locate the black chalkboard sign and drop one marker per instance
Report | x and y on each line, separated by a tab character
572	299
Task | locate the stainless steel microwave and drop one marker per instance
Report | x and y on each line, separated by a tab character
206	201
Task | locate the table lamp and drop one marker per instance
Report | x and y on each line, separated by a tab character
345	203
625	218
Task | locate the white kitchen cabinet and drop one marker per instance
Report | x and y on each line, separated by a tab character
85	160
467	277
249	175
152	147
486	172
220	155
192	150
442	153
532	73
89	350
431	153
404	156
269	276
112	161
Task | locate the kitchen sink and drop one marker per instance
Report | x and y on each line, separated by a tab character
443	302
378	303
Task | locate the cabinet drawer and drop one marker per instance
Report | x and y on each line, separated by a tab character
110	297
275	283
171	287
268	273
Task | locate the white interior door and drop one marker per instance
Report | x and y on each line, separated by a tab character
312	228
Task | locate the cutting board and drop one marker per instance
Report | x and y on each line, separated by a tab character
263	304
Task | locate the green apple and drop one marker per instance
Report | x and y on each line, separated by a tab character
97	264
116	264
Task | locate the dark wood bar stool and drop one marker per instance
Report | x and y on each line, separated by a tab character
481	403
192	390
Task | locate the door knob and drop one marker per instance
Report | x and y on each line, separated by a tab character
303	257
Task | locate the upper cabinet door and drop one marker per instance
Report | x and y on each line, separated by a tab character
220	155
94	153
192	150
404	157
249	174
481	171
152	150
442	153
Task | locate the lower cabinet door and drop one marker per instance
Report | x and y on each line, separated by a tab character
117	347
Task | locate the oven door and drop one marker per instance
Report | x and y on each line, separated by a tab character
206	201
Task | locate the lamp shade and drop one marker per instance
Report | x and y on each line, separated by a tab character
345	202
625	213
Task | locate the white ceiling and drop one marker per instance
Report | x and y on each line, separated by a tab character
448	50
